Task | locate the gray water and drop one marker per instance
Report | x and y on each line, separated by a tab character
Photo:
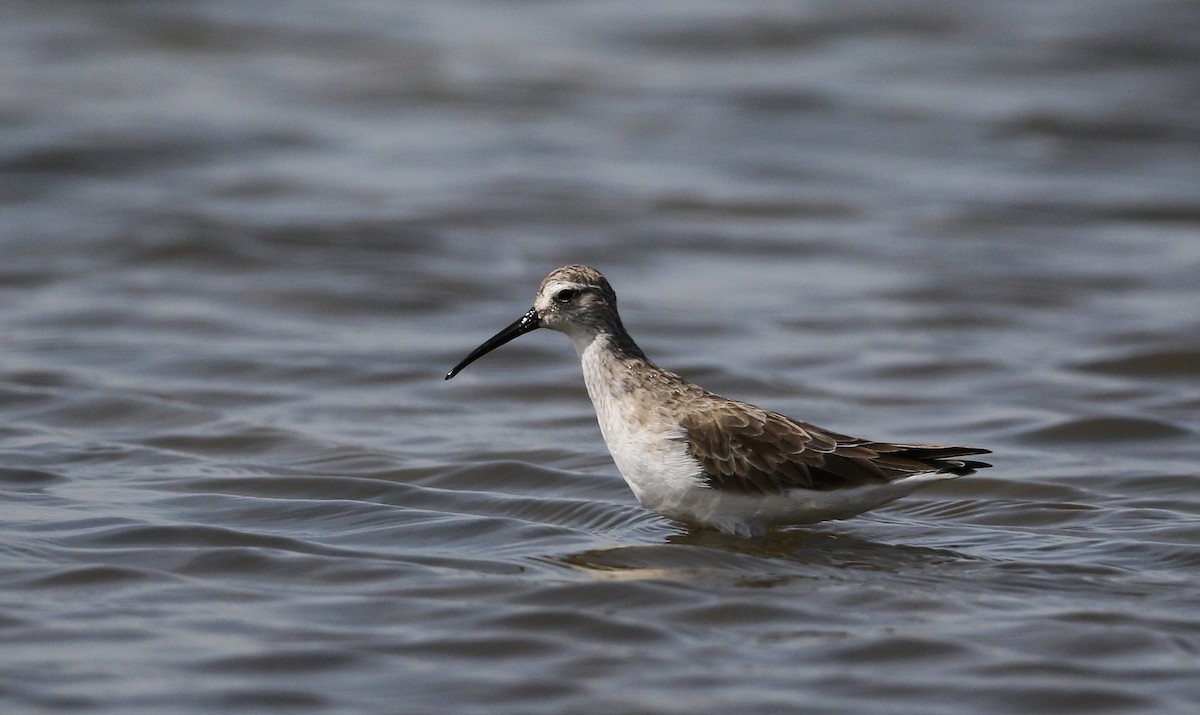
241	243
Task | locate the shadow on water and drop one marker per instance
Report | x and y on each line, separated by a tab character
779	556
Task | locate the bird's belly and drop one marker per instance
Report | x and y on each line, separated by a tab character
748	514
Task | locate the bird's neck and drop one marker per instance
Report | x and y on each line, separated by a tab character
610	360
608	335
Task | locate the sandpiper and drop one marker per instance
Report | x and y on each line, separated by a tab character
697	457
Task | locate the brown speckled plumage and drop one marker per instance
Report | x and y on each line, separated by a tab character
747	449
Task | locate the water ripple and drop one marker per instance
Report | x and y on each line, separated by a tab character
239	249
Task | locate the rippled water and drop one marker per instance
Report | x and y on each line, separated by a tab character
241	243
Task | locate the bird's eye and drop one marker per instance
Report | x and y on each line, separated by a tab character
565	295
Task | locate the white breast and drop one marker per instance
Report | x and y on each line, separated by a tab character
647	446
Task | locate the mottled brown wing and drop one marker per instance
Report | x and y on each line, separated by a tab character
744	449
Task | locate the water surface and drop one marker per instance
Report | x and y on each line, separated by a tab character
241	244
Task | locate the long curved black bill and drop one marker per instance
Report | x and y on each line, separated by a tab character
525	324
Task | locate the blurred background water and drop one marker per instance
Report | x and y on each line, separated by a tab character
240	244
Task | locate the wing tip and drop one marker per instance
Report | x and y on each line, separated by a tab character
962	467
